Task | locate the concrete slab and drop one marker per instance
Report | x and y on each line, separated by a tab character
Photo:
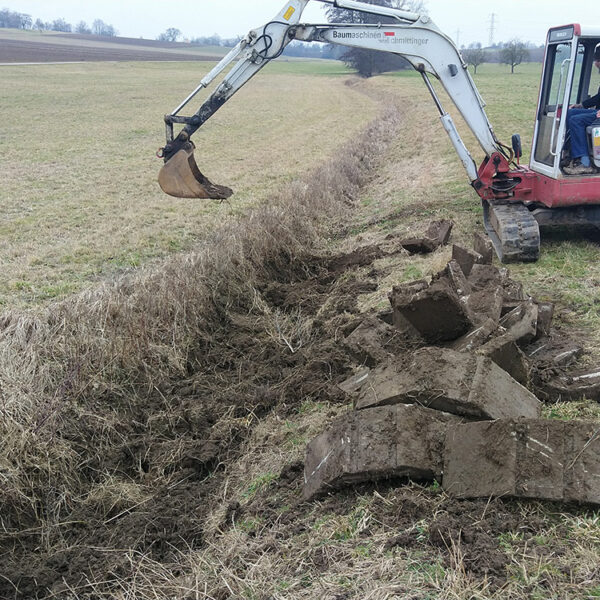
483	246
353	384
521	323
393	441
464	384
440	231
466	258
544	320
476	337
509	357
367	343
437	234
524	458
435	312
457	279
419	245
581	386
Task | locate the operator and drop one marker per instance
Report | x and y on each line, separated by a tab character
579	117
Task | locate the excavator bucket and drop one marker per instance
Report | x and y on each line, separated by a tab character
181	177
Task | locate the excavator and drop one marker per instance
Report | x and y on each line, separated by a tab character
517	200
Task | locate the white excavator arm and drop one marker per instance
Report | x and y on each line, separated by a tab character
412	36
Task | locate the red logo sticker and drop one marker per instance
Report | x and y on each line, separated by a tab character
390	33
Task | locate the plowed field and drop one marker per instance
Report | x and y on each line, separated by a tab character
29	47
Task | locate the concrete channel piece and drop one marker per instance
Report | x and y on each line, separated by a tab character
392	441
436	312
524	458
460	383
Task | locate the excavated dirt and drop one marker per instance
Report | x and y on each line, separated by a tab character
190	429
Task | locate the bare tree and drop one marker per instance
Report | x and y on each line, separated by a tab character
99	27
370	62
474	56
14	20
82	27
61	25
514	53
26	21
170	35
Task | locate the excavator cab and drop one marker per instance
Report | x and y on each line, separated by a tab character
569	77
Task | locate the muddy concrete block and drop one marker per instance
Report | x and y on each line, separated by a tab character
568	356
483	246
466	258
436	312
439	231
437	234
512	290
468	385
485	304
584	386
544	319
582	477
354	383
519	327
525	458
476	337
486	277
521	323
457	279
509	357
480	459
367	343
421	245
393	441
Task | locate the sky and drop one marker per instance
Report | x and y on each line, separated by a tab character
465	21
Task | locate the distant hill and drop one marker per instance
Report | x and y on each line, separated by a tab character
21	46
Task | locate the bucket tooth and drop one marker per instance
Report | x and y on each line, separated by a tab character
180	177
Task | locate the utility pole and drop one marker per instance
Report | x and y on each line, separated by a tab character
492	28
457	38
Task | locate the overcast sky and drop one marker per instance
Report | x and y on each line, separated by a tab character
465	21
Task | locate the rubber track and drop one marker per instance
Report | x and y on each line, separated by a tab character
513	230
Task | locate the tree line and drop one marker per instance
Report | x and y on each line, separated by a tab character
16	20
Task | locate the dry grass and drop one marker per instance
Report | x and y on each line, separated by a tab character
71	373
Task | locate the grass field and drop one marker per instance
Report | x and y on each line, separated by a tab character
154	425
79	197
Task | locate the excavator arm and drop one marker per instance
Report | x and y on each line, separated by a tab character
412	36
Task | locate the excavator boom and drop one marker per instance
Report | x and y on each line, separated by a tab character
410	35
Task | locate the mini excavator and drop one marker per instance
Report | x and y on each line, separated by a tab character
517	199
